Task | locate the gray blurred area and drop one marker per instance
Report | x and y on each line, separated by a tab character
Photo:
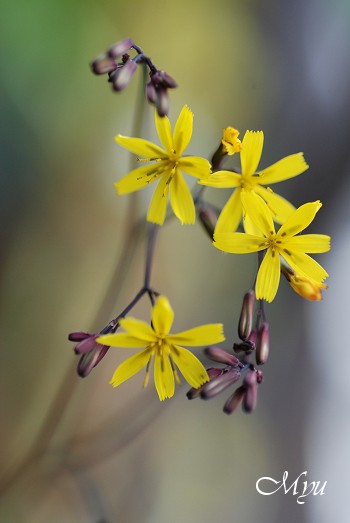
76	449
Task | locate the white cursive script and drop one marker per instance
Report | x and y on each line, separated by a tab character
306	488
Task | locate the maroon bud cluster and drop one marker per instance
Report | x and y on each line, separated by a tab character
120	67
90	351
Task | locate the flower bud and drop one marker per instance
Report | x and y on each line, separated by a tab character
246	319
304	286
151	93
217	385
230	141
250	399
122	76
120	48
263	344
103	64
234	400
195	393
78	336
221	356
89	360
162	101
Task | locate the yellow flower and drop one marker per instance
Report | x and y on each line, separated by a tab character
232	144
166	166
285	242
164	347
306	287
251	180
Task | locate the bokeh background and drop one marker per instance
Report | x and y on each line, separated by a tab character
78	450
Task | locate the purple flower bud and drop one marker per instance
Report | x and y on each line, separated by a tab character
250	399
122	76
217	385
221	356
78	336
250	379
234	400
263	344
162	101
103	64
246	318
151	93
208	219
195	393
162	79
89	360
86	345
120	48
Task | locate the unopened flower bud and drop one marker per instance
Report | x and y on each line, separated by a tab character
230	141
122	76
103	64
217	385
250	379
151	93
78	336
250	399
246	318
259	376
162	101
221	356
89	360
233	402
195	393
85	345
263	344
304	286
120	48
208	219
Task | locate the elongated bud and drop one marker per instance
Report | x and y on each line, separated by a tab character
208	219
89	360
120	48
263	344
86	345
151	93
221	356
162	101
250	399
195	393
217	385
78	336
245	347
122	76
234	401
246	319
103	64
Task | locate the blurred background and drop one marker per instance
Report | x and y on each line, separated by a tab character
76	449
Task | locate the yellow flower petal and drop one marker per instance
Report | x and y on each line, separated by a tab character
164	132
162	316
252	146
198	336
141	147
231	214
222	180
157	209
268	276
239	242
190	367
140	178
138	329
280	208
288	167
121	339
300	219
181	200
163	376
195	166
311	243
258	211
131	366
249	226
183	130
303	264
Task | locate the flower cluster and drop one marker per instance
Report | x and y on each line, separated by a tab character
246	224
